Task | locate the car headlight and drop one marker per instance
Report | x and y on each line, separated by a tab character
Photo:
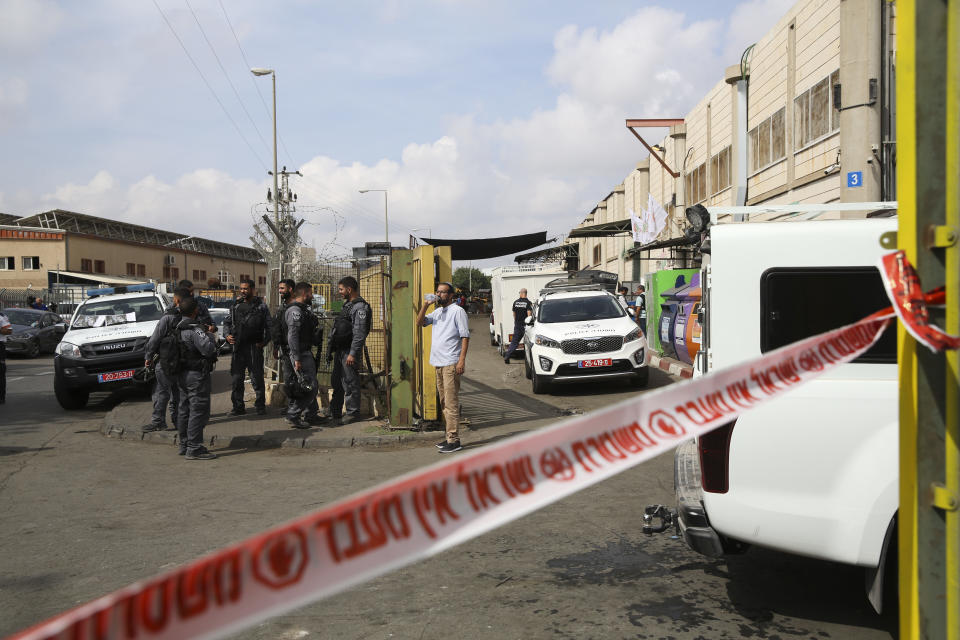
633	335
68	349
547	342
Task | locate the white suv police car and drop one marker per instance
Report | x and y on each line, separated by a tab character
104	346
582	333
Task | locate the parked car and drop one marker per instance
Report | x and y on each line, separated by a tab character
105	345
814	473
219	316
582	333
34	332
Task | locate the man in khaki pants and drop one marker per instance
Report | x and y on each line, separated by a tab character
448	353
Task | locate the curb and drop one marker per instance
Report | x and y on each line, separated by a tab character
313	440
671	366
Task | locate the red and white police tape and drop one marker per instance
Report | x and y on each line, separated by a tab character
425	512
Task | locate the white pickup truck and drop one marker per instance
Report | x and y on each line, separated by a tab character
814	473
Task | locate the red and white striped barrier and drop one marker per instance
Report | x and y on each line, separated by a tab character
425	512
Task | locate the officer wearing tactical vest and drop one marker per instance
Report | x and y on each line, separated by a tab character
278	329
197	354
302	335
248	330
350	331
165	389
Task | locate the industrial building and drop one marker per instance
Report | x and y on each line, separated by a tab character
805	116
62	247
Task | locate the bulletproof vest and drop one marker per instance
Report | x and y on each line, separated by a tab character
342	335
247	321
308	327
278	330
190	358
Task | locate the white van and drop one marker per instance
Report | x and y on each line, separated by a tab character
505	285
815	472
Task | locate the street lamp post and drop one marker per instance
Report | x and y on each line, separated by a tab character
386	226
258	71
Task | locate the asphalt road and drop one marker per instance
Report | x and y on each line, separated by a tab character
84	515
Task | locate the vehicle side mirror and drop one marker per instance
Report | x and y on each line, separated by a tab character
61	326
528	321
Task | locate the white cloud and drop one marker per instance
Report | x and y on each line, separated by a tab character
26	25
544	169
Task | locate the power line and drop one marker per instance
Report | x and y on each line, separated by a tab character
226	75
212	92
256	86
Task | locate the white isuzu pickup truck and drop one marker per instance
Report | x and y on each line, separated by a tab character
814	473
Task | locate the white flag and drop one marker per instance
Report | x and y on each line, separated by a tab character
658	216
635	226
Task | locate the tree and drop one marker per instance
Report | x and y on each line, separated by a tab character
470	279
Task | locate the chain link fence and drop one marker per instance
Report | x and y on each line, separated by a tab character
327	303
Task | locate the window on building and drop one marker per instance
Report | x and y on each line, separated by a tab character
141	270
31	263
596	254
768	141
261	280
815	115
695	184
199	276
225	278
86	265
720	170
99	266
131	269
244	276
792	302
7	263
171	274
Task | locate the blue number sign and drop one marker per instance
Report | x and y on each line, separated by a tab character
854	178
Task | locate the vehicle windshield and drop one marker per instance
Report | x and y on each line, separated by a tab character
579	309
99	313
16	316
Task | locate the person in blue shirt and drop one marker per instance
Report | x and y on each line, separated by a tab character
448	354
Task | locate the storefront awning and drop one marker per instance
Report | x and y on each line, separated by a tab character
74	277
482	248
602	230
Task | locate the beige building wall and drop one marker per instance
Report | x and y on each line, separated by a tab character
52	253
189	265
793	66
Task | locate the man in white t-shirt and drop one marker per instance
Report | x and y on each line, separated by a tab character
448	354
5	330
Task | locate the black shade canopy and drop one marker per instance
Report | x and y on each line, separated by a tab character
489	247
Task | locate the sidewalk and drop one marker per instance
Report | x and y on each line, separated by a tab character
126	421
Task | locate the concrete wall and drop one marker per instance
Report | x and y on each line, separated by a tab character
51	253
68	254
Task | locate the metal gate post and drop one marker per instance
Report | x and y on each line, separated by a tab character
928	173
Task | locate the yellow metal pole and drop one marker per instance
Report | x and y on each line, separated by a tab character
952	263
907	346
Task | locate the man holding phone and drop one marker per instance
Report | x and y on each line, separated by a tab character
448	354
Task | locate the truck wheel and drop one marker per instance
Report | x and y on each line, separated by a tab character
70	399
641	379
541	384
493	339
527	371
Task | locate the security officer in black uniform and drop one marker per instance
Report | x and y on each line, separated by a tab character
165	389
278	329
303	332
248	330
350	331
198	352
522	308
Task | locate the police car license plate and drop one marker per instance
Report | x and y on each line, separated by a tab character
602	362
113	376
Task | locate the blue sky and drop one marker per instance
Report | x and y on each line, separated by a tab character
481	118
